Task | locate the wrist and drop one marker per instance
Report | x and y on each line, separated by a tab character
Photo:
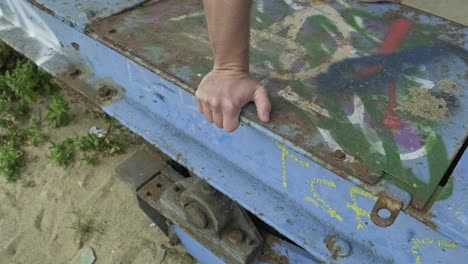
233	70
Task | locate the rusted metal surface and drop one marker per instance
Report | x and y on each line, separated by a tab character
337	247
249	165
269	255
80	13
386	210
341	77
221	226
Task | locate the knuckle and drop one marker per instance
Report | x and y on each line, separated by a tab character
229	108
215	103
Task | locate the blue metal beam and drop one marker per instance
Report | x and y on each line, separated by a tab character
250	165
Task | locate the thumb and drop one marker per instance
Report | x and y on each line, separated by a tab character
262	103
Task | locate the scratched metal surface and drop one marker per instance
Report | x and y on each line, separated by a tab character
340	78
80	13
452	214
249	165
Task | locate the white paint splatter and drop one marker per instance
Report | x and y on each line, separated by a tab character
261	6
357	118
421	152
196	14
426	84
329	139
300	102
293	5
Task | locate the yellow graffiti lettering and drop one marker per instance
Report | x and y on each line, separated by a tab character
448	244
360	212
417	243
284	154
318	201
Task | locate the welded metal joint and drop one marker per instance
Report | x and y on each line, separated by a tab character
386	210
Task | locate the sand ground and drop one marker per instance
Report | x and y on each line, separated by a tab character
35	223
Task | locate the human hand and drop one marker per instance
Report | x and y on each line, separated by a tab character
222	94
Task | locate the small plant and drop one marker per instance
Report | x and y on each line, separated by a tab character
84	228
20	82
5	55
29	184
111	143
62	153
9	105
23	81
5	123
57	111
11	162
34	133
13	136
91	159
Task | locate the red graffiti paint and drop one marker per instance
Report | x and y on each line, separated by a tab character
392	40
398	31
395	35
391	119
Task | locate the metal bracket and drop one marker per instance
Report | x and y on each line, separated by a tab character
206	214
385	210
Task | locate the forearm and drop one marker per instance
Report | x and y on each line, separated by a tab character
229	30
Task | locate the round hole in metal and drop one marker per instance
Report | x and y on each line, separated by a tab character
384	213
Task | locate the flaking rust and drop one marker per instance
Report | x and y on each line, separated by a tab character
268	255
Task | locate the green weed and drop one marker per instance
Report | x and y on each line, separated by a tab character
11	162
62	153
21	81
84	228
34	133
5	55
29	184
91	159
57	111
8	105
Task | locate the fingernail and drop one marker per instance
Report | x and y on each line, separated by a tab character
266	116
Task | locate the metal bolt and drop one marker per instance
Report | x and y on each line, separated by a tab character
339	248
75	73
105	92
339	155
196	215
174	241
235	236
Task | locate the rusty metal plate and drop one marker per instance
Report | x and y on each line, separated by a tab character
80	13
367	91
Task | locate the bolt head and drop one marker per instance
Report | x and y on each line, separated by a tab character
196	216
338	247
235	236
339	155
105	92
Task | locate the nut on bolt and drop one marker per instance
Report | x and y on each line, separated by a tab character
339	155
338	248
235	236
105	93
196	216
